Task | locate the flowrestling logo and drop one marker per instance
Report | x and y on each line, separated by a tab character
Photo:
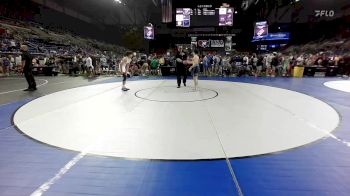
324	13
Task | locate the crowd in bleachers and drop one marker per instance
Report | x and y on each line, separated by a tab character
62	50
270	64
71	54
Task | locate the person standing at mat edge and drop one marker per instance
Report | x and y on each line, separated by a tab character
181	70
27	64
124	68
194	69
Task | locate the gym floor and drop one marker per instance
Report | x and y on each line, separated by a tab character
235	136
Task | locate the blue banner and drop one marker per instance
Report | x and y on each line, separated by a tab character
273	37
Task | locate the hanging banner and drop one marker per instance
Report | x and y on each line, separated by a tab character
225	16
183	17
148	32
204	43
228	44
274	37
217	43
261	30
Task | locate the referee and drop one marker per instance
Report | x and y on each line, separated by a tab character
181	70
27	65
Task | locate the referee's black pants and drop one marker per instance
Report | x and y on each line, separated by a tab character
30	79
181	72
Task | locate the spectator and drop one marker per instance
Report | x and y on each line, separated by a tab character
346	61
12	62
300	61
217	61
161	61
226	68
89	66
285	65
269	58
259	66
145	68
254	61
1	66
205	64
274	64
154	65
6	66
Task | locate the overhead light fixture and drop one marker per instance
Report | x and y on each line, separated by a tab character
118	1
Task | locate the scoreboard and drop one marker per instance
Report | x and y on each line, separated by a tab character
204	15
205	10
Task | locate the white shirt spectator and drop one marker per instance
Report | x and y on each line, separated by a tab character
103	61
89	63
300	61
12	43
245	60
216	60
18	60
268	60
226	61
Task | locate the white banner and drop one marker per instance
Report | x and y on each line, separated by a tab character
217	43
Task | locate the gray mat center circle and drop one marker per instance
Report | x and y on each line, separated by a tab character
173	94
